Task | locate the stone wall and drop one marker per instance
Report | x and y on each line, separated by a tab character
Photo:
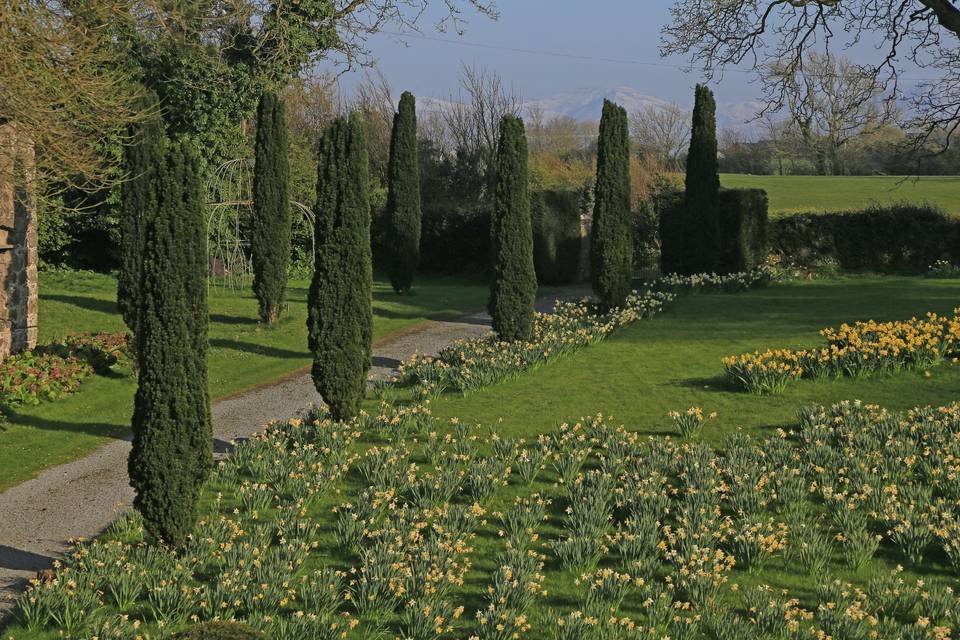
18	243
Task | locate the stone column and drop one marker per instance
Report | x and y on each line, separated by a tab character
18	242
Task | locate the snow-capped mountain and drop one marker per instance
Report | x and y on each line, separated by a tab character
587	104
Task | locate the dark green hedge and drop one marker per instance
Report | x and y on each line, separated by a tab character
892	239
669	207
556	236
743	229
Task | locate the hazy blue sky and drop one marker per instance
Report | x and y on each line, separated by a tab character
617	29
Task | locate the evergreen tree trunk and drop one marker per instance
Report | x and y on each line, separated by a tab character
701	228
339	305
142	163
270	226
403	198
172	437
611	235
514	287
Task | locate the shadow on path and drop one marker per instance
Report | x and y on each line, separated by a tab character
385	362
19	560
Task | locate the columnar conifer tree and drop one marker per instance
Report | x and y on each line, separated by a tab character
339	305
514	287
172	438
611	236
142	162
403	197
700	232
270	226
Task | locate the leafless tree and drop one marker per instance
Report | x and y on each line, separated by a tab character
911	34
832	103
663	132
373	98
473	116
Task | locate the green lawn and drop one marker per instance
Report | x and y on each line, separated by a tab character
242	355
672	362
798	194
636	376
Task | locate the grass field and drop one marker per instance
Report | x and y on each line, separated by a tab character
634	378
242	355
799	194
672	362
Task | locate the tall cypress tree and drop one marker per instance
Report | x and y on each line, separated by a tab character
270	224
172	437
403	197
142	161
514	287
339	305
611	235
700	231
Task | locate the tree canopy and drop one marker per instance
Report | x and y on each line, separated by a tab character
908	35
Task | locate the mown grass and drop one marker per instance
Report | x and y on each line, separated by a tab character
801	194
672	362
243	354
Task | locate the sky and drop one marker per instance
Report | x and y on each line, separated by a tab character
622	30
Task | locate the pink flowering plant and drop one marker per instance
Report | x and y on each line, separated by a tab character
28	378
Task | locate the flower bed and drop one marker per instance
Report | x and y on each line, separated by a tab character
852	350
467	365
55	370
101	350
316	530
28	378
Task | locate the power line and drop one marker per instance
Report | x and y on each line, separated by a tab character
575	56
540	52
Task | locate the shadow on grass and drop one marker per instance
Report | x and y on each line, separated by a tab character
101	429
83	302
258	349
220	318
713	383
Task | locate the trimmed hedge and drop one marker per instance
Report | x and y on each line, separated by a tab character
219	631
556	236
743	229
893	239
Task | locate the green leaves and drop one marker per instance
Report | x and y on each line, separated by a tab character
611	238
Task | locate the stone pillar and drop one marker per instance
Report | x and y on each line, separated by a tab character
18	243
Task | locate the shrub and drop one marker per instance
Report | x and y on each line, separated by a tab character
28	378
514	286
139	200
611	244
894	238
219	631
100	350
339	311
700	233
403	198
172	450
943	269
270	233
557	240
743	229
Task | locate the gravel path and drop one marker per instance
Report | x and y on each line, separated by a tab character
79	499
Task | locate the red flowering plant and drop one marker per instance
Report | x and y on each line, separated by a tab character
28	378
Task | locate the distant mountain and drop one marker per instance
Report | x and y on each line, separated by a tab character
587	104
